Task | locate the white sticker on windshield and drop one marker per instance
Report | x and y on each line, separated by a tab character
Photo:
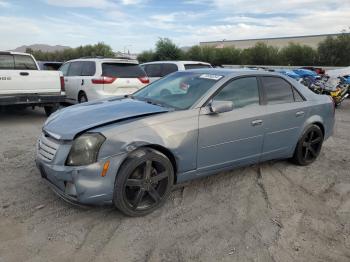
211	77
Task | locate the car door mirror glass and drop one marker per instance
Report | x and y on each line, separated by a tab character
218	106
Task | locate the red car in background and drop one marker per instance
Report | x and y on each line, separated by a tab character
318	70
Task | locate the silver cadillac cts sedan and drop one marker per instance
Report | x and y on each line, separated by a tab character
130	151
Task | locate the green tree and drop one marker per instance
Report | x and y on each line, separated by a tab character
335	51
99	49
298	55
260	54
167	50
146	56
227	56
208	54
194	53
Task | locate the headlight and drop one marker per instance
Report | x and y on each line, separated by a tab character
85	149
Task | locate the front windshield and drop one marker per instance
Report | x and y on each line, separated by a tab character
179	90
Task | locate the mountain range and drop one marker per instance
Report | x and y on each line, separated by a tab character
42	47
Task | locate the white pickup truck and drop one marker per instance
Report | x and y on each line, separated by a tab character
23	83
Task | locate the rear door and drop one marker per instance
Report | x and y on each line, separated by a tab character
287	112
88	72
127	78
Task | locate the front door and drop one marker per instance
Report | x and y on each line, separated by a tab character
236	137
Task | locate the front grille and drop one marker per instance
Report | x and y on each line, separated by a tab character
47	147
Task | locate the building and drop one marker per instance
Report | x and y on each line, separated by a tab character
310	40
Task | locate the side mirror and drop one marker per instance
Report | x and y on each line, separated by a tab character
217	107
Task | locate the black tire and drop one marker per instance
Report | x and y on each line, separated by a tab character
50	109
82	98
143	183
309	146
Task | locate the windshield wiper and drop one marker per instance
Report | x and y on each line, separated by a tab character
129	96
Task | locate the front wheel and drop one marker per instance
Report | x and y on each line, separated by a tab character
143	183
309	146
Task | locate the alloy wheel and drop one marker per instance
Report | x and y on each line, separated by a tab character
311	145
146	186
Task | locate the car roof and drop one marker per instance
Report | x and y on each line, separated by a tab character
111	60
176	62
13	53
233	72
49	62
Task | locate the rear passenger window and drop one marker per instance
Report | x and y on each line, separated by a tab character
168	69
24	62
153	70
6	62
277	90
242	92
89	68
75	69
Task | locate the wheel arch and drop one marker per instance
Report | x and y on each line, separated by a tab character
81	92
320	125
314	120
168	153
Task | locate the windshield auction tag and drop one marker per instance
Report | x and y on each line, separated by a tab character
211	77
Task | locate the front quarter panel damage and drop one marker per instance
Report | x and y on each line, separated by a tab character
176	131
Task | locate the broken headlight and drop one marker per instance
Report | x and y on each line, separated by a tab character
85	149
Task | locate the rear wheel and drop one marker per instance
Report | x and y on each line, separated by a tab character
50	109
143	183
82	98
309	146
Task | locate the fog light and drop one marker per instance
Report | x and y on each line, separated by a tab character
70	189
105	168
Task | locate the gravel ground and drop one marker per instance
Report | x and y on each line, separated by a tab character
272	212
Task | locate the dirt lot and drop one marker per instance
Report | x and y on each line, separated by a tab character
275	212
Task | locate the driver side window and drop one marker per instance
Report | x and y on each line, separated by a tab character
242	92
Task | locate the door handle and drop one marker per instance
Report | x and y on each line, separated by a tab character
257	122
300	113
82	82
24	73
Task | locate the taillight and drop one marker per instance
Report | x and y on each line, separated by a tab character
103	80
144	80
63	89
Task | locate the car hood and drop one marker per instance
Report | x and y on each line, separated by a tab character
68	122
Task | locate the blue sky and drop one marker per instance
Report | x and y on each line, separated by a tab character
137	24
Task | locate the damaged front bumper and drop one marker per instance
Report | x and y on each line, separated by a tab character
82	185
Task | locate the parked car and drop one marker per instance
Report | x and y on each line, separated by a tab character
289	73
158	69
95	78
49	65
131	150
23	84
317	70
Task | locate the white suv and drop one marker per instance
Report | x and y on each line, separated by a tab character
94	78
158	69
